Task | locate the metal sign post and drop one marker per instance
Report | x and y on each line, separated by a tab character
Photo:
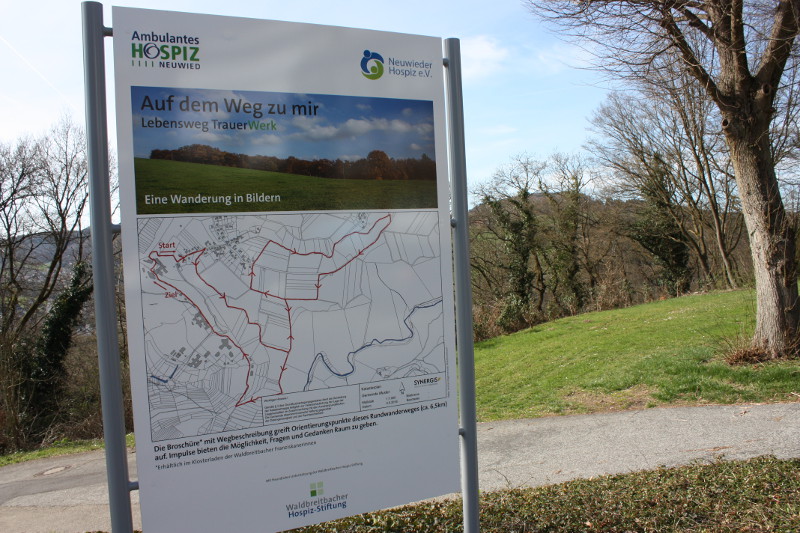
466	358
119	485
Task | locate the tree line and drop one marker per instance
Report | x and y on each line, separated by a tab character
563	235
376	166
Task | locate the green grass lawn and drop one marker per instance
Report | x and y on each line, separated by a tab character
162	178
666	352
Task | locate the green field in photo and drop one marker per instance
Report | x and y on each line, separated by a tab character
161	179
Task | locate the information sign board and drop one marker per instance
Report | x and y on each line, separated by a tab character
288	280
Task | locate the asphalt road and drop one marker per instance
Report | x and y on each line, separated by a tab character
68	494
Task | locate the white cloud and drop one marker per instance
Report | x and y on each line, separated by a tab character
357	127
321	133
485	56
266	140
211	137
482	56
559	57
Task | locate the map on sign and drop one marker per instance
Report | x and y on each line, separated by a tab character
257	319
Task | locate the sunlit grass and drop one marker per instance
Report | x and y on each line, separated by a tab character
666	352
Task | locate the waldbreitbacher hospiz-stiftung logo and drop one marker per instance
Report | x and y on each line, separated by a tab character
316	503
372	65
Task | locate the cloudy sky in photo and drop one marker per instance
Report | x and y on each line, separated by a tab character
340	127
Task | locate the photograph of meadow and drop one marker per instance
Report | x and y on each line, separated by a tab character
205	151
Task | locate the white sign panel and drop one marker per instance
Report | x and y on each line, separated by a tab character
287	261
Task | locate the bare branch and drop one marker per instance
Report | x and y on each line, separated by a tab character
779	47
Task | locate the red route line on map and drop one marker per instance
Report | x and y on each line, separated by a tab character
196	262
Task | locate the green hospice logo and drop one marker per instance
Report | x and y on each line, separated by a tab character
165	50
372	65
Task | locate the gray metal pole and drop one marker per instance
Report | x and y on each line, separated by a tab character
466	356
103	268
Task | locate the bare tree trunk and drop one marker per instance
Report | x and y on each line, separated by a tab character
772	245
724	253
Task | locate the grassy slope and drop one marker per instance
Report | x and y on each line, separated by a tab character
301	193
666	352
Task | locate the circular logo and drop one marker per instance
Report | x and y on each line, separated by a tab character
151	51
372	65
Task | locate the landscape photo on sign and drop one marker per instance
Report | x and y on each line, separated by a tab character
205	151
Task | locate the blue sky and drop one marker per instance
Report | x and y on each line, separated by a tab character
341	127
525	90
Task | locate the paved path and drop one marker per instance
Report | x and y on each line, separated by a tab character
68	494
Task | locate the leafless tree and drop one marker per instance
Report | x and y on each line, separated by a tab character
506	241
741	54
569	251
43	195
536	244
645	138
